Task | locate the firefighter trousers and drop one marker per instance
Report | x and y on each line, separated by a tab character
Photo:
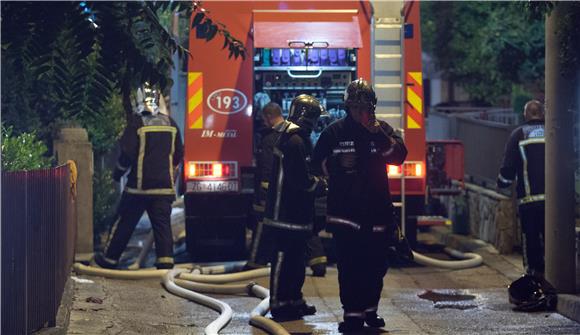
129	212
315	254
362	264
288	268
263	245
532	220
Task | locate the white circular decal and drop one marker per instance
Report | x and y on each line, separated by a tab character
227	101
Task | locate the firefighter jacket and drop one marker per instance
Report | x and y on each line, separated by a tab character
524	160
265	153
269	137
358	188
151	148
290	200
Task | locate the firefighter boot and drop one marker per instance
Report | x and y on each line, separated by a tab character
306	309
351	325
163	263
102	261
373	320
286	313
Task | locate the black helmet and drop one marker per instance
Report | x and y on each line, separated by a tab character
531	293
305	111
360	92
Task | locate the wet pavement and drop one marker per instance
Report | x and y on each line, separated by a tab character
415	300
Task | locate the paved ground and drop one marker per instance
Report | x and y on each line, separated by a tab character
145	307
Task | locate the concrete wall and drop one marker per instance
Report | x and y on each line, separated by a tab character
73	144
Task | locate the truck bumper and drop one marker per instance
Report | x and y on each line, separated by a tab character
215	225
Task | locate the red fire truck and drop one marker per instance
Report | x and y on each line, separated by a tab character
293	47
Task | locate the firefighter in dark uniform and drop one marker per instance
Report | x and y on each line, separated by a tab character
524	161
151	149
262	244
354	152
289	211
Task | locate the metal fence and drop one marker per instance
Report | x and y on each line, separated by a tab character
38	239
484	133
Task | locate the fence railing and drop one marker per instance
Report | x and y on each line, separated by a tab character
483	132
38	238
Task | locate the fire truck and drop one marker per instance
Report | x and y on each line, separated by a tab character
293	47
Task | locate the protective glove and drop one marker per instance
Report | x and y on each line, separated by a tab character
322	187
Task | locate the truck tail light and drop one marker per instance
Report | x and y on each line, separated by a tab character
209	170
412	170
418	170
394	170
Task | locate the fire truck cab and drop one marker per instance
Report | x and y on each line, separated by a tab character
293	47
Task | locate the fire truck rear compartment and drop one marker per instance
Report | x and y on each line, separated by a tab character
216	225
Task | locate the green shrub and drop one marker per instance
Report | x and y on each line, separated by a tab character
105	198
519	98
23	152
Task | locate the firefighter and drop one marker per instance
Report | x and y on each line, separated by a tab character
524	161
151	149
261	244
354	152
289	211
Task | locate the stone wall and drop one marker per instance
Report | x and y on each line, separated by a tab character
492	218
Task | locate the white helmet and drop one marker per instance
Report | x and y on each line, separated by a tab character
147	100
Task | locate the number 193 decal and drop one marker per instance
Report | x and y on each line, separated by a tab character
227	101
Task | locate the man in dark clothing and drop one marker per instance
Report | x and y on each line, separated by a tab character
261	243
151	149
524	161
354	152
289	214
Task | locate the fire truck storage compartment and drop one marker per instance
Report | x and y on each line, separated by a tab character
216	226
306	52
284	73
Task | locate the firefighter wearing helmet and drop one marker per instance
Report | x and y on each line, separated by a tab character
304	111
289	214
151	149
354	152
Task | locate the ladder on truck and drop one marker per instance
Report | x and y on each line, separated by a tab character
387	71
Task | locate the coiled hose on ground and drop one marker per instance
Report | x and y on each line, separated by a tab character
467	260
189	284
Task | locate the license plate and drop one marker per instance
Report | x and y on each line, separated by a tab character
212	186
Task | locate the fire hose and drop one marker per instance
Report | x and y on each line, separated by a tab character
467	260
189	284
224	309
257	318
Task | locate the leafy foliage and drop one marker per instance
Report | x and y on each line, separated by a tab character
207	29
487	47
106	127
79	62
22	152
105	197
65	60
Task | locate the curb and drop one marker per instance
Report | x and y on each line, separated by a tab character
63	314
569	306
